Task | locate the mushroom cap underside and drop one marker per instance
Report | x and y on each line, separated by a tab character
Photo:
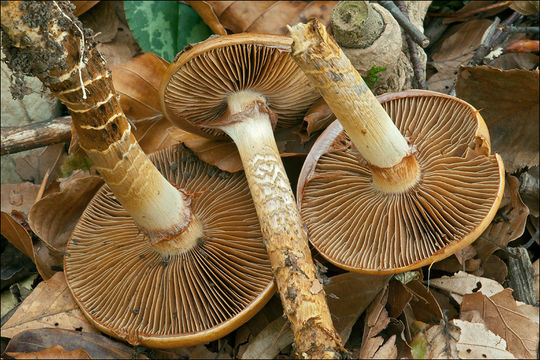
196	86
128	290
362	229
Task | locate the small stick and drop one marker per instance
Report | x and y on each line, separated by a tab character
21	138
413	51
412	30
520	29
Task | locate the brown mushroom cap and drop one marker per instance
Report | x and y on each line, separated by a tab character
128	290
196	86
359	228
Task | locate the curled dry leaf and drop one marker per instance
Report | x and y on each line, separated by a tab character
318	117
49	305
95	345
529	7
502	316
508	224
83	6
46	260
508	102
463	283
53	352
54	217
269	17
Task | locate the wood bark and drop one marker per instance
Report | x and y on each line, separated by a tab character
26	137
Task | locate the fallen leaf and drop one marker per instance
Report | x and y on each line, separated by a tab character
523	61
95	345
54	217
522	46
473	8
49	305
267	17
525	7
54	352
536	267
507	225
494	268
442	341
317	118
508	103
18	197
398	298
424	305
82	6
477	342
270	341
528	190
374	345
501	315
456	48
34	166
463	283
102	19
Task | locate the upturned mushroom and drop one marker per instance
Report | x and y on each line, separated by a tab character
244	86
375	201
165	255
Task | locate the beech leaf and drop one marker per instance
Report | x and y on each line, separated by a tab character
49	305
508	103
53	352
463	283
502	316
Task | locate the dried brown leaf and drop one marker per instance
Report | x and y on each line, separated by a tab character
95	345
53	352
424	305
373	345
442	340
17	235
54	217
473	8
462	283
508	224
270	17
529	7
33	166
508	102
523	61
477	342
18	197
102	19
318	117
494	268
82	6
49	305
502	316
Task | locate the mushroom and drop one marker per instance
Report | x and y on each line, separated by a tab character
375	201
244	86
164	295
175	257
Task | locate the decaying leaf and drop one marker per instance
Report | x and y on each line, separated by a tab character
442	341
508	224
502	316
477	342
494	268
34	166
463	283
269	17
95	345
508	102
475	8
424	305
50	305
523	61
456	48
102	19
18	197
318	117
374	345
53	352
83	6
529	7
54	217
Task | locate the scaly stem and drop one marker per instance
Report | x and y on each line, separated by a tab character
364	119
43	39
301	293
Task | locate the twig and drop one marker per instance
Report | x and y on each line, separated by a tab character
471	12
19	138
413	51
520	29
412	30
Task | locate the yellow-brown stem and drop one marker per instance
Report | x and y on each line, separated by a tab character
364	119
302	295
44	39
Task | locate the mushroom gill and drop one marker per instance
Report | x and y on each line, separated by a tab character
125	286
198	90
361	228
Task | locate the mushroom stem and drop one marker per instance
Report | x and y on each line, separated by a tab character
301	293
44	39
364	119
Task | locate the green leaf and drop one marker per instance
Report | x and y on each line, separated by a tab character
164	27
